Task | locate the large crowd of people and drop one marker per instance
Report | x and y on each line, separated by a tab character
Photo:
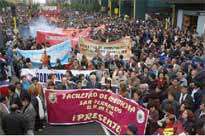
165	73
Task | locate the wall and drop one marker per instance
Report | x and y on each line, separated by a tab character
140	9
201	25
180	18
200	22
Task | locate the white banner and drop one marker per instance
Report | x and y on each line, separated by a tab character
42	74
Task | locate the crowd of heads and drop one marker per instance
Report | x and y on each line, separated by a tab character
165	73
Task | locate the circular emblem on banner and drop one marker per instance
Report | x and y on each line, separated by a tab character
140	116
52	98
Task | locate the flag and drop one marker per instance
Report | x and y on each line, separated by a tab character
4	88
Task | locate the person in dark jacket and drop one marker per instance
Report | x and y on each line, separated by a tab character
188	122
93	83
65	84
29	113
14	97
38	106
58	64
184	97
170	101
14	123
131	129
4	110
196	95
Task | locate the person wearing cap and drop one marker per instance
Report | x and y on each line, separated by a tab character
4	110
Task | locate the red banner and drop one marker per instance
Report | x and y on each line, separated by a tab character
54	38
51	38
83	106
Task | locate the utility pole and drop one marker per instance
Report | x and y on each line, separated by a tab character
119	8
134	9
110	7
173	14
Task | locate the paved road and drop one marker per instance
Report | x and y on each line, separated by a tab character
81	129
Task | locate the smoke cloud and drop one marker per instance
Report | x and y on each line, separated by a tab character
42	24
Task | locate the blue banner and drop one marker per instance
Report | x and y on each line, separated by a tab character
60	51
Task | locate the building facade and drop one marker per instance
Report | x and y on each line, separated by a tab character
190	14
137	8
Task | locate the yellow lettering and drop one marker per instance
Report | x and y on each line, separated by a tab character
118	129
88	116
95	106
104	119
81	103
109	123
94	115
64	96
89	107
74	117
89	101
132	109
114	125
100	117
101	108
80	116
101	96
68	96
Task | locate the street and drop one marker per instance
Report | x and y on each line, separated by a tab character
81	129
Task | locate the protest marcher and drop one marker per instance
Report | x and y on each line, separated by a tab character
14	123
14	98
29	113
93	83
44	60
4	110
132	130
